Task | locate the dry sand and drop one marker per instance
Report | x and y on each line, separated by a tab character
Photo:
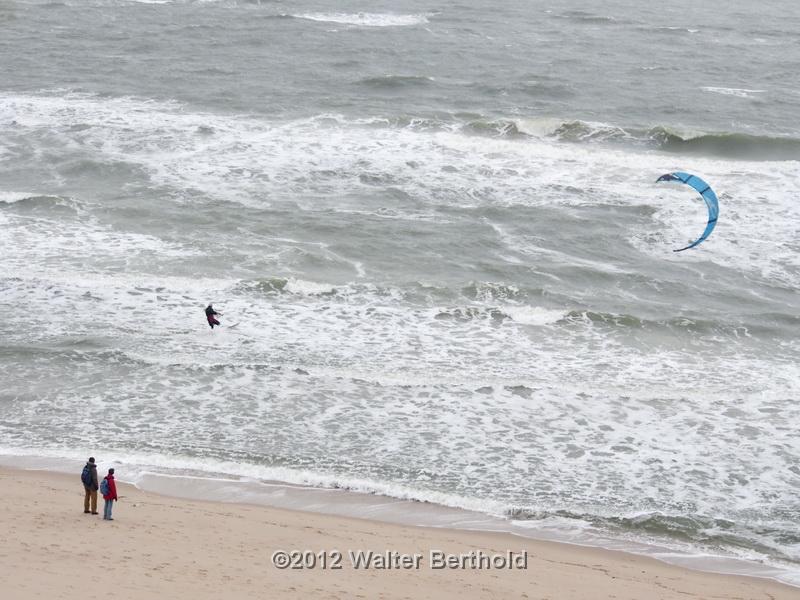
162	547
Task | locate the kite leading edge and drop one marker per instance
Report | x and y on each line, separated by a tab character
708	195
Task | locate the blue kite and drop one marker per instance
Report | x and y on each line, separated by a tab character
708	195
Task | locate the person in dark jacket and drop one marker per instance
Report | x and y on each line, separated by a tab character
211	315
110	495
91	488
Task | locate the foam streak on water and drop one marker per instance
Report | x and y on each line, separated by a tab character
366	19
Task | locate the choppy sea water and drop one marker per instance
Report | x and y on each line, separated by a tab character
438	230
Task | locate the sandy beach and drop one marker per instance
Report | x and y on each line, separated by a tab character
159	546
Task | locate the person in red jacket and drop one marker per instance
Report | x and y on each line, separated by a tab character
109	489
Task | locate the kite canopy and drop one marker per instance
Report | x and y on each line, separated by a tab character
708	195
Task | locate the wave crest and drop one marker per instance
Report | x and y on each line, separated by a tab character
718	144
366	19
728	145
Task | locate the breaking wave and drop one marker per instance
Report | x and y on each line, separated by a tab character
731	145
728	145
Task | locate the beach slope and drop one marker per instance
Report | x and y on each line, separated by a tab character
162	547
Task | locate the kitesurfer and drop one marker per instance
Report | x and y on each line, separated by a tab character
211	316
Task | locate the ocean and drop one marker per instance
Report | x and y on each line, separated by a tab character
437	230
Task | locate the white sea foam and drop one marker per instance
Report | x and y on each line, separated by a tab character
533	315
366	19
58	242
738	92
298	286
541	127
11	197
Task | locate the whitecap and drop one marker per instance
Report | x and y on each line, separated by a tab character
737	92
366	19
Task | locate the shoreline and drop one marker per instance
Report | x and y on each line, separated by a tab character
215	533
336	502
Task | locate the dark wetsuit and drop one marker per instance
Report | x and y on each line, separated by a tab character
212	320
